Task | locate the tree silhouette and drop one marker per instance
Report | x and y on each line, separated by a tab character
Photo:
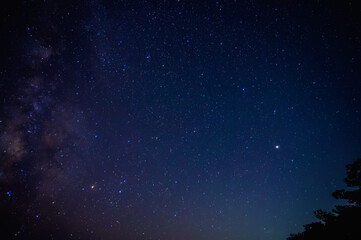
343	222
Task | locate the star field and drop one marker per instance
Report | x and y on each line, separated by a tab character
175	119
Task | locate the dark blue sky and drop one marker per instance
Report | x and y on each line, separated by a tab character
175	119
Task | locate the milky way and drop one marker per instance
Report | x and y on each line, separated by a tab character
175	119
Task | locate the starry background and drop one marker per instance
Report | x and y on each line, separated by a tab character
175	119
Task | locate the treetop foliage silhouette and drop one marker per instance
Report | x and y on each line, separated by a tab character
343	222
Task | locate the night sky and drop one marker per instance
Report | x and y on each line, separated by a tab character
184	120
